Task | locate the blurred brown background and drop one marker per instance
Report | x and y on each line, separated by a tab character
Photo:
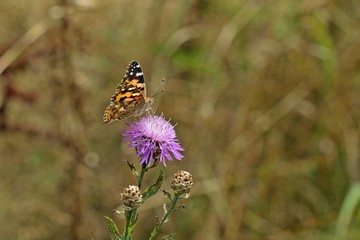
265	94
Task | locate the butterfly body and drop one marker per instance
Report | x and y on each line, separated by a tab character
130	96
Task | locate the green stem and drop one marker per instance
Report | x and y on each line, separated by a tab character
141	176
166	215
127	231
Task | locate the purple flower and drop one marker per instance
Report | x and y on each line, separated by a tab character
154	139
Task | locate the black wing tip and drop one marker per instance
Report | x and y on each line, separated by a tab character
134	62
134	71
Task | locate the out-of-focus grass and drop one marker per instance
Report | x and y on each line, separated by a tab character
347	210
265	93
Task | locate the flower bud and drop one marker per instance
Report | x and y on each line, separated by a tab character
131	197
182	182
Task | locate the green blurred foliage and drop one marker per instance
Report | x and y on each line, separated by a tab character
266	95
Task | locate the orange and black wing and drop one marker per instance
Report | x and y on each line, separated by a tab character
129	95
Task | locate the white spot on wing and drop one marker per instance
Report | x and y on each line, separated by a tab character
139	74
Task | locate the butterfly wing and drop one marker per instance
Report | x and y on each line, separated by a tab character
129	98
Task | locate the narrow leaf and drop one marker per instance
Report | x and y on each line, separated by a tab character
167	194
153	189
114	231
133	222
132	168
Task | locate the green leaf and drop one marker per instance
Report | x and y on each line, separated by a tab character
132	168
169	237
115	234
167	194
153	189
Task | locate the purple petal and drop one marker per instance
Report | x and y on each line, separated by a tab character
150	134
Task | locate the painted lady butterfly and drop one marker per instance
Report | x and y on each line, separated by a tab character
130	96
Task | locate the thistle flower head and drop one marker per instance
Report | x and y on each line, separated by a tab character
154	139
182	182
131	197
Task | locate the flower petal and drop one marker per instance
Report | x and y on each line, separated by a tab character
151	136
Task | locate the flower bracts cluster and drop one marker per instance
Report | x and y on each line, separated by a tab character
182	182
131	197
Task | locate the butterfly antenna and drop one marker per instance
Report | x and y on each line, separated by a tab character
156	92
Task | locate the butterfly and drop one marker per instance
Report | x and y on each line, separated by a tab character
130	96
